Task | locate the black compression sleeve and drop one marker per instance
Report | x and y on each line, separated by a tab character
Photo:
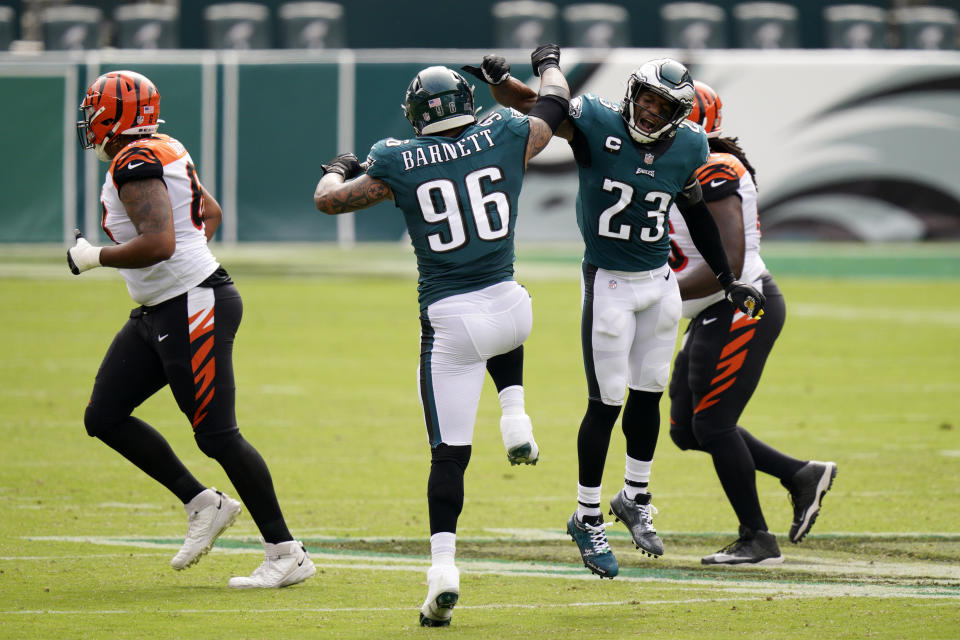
551	109
706	238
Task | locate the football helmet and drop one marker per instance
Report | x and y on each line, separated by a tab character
671	81
707	109
118	102
438	99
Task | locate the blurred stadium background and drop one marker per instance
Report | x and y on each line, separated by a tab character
849	111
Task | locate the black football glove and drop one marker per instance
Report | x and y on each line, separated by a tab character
745	298
346	164
544	57
493	70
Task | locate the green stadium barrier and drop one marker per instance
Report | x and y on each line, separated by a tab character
36	167
837	162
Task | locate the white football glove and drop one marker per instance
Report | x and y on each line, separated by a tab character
82	256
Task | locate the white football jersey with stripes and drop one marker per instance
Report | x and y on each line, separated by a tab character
192	262
723	174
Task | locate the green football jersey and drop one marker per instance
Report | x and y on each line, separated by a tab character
459	200
626	189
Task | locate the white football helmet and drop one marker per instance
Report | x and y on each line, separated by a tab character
671	81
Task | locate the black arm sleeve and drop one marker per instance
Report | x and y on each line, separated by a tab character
706	237
552	109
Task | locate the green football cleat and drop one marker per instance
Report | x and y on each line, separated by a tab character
593	545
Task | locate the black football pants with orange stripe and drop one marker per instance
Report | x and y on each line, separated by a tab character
714	376
165	344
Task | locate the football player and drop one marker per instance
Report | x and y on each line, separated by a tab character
160	219
635	157
457	183
723	353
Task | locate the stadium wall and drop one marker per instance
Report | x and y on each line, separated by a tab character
849	145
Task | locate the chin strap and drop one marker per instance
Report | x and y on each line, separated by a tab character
101	148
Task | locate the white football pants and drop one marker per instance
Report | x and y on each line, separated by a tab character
628	330
458	334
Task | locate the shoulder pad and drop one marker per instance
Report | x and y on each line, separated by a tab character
136	162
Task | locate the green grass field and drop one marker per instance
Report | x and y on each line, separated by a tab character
866	373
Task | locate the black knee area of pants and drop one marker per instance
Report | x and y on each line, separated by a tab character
216	445
708	434
682	436
97	421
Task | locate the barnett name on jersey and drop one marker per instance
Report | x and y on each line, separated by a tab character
723	175
627	189
459	201
160	156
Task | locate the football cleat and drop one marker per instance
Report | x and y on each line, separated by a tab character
807	488
443	591
517	433
285	564
594	549
752	547
209	514
638	516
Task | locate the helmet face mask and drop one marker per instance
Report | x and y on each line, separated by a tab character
117	103
660	95
439	99
707	109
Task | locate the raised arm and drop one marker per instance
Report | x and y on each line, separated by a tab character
340	191
553	101
510	92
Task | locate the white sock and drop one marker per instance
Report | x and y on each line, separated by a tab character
588	496
637	472
511	401
443	547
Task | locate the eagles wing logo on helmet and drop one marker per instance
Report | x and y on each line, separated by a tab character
669	80
446	93
118	103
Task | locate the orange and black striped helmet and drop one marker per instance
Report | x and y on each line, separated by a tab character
707	109
118	102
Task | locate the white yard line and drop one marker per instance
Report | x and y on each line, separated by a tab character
939	578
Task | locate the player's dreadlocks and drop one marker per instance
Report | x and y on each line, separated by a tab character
732	146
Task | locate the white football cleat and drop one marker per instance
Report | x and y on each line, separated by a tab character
443	591
286	563
208	515
517	433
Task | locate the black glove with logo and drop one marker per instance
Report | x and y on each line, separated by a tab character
544	57
745	298
346	164
493	70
